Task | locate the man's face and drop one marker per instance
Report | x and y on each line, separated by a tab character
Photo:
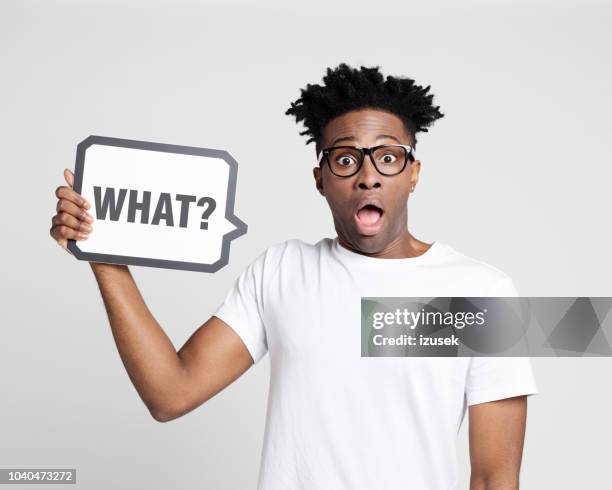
367	229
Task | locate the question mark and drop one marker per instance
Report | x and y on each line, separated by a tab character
212	204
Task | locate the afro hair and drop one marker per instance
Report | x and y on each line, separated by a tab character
346	89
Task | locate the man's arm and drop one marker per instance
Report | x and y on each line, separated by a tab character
170	383
497	434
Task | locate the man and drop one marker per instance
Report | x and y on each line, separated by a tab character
337	420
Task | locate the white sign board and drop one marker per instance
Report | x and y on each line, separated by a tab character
156	204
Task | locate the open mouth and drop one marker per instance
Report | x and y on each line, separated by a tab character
369	219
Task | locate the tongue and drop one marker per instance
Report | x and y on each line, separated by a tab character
368	215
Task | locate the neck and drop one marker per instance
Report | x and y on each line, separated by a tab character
403	246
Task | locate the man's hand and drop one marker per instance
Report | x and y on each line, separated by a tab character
72	220
497	434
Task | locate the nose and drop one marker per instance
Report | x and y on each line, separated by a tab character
368	177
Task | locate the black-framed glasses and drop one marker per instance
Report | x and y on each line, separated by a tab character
345	161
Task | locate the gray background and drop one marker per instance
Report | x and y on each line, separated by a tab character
517	174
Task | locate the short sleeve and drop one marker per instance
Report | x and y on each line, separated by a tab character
496	378
242	308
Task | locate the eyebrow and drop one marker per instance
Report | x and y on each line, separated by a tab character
352	138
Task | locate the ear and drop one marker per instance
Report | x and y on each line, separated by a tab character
318	176
415	168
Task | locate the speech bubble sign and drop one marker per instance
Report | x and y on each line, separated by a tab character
156	204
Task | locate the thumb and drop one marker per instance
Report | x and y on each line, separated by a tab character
69	176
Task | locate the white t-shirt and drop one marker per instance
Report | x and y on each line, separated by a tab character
336	420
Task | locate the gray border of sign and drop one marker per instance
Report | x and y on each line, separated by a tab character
241	227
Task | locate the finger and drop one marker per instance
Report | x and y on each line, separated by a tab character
63	232
64	244
68	193
70	221
69	176
71	208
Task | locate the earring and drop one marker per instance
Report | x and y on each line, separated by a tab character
412	189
